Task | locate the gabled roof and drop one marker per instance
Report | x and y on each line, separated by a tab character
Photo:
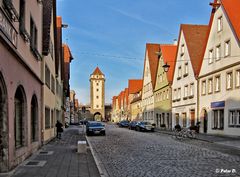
135	85
196	39
169	56
232	8
151	50
97	71
120	98
67	53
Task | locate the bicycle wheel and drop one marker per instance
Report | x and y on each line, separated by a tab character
191	134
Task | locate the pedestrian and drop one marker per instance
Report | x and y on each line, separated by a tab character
59	126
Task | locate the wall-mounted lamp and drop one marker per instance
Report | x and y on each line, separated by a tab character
166	67
64	25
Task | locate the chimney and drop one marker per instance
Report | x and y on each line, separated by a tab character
175	41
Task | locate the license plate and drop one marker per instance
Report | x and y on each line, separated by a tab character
97	132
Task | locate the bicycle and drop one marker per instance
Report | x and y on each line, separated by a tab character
184	133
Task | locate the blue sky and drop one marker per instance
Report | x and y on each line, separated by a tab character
112	35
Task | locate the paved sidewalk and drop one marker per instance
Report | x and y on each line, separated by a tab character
59	159
232	141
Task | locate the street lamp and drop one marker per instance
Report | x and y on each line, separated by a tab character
64	25
166	67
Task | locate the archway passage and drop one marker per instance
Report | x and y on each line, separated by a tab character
97	116
3	127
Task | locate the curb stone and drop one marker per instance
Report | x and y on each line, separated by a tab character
102	170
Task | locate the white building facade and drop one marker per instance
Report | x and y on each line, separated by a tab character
149	79
219	106
185	85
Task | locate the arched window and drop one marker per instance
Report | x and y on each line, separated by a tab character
19	105
34	119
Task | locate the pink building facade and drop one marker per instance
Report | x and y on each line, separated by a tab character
20	81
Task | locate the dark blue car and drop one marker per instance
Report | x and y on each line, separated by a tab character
123	123
94	127
132	125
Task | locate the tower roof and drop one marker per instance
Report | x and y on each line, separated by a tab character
97	71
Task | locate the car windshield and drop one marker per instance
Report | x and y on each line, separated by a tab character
95	125
146	123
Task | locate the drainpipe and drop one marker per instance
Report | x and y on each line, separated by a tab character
198	100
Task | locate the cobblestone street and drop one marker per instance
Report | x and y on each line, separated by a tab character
126	152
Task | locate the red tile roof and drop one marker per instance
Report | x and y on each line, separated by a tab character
151	49
169	56
135	85
97	71
67	54
126	93
196	39
232	8
120	98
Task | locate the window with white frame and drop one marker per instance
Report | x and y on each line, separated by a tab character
167	94
219	24
179	72
234	118
218	119
186	69
164	95
218	52
175	94
179	93
185	91
210	85
227	48
238	78
229	80
182	49
217	83
203	87
210	56
191	90
161	97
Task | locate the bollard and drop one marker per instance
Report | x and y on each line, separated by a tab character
82	147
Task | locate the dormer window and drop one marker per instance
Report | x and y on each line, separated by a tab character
219	24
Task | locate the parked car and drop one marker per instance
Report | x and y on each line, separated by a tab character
132	125
123	123
94	127
83	122
144	126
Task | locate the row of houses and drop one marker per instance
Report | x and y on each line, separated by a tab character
34	77
197	79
